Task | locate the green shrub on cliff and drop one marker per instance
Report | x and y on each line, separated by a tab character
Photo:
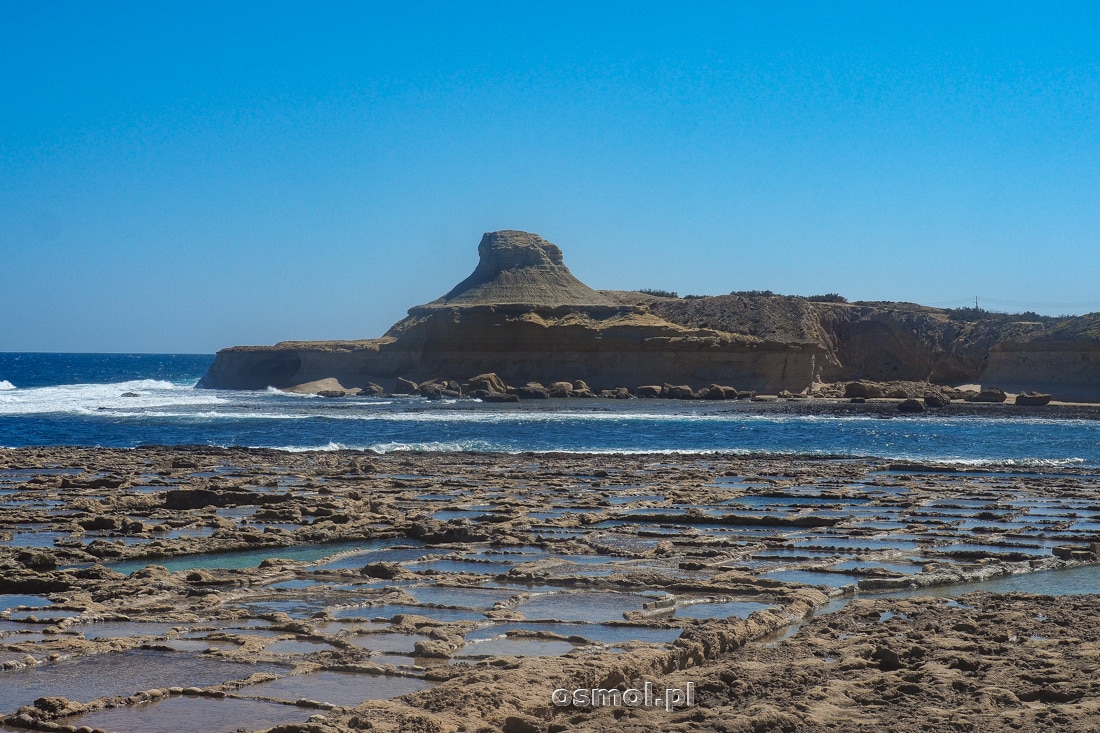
659	293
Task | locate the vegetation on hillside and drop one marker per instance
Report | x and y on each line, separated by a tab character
658	293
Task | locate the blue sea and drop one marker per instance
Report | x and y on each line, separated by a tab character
126	400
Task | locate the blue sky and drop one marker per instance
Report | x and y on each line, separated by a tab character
180	177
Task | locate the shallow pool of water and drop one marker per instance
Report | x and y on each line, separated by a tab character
721	609
867	565
600	633
193	714
515	647
587	606
118	673
339	688
43	539
11	600
386	642
809	577
122	629
297	646
1072	581
477	598
439	614
968	548
247	558
196	645
395	550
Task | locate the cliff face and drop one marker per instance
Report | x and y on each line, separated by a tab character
523	315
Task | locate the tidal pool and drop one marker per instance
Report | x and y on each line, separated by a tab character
8	600
250	558
193	714
119	673
600	633
587	606
720	609
346	689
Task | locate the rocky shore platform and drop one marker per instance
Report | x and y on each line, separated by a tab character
200	588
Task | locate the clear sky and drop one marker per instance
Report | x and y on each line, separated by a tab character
184	176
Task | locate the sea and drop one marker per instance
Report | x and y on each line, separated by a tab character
127	400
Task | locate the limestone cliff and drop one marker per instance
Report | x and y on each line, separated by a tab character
523	315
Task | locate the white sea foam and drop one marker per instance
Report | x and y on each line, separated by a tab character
457	446
1004	462
230	410
87	399
281	393
5	385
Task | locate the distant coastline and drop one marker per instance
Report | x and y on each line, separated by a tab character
522	324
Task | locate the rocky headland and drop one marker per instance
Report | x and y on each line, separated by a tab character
522	325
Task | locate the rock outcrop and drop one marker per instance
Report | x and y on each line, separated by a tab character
520	268
522	315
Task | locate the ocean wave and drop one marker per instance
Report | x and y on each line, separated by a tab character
5	385
482	446
370	412
87	399
281	393
1004	462
456	446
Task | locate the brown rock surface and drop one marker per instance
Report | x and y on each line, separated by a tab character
987	662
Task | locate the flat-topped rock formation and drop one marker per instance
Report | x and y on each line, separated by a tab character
522	315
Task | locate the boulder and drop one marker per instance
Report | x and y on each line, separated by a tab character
431	391
566	386
1033	399
618	393
332	393
495	396
99	522
911	405
648	391
866	390
371	390
432	649
936	400
489	382
989	394
579	385
718	392
532	391
677	392
405	386
382	570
